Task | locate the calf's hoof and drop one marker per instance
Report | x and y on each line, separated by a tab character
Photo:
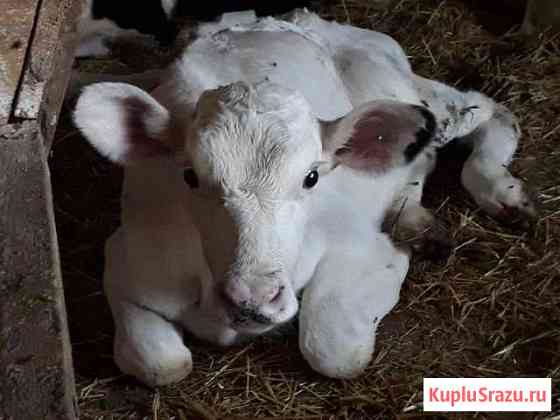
157	367
518	215
339	354
434	244
347	366
505	198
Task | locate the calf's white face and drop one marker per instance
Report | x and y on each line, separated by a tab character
251	157
255	154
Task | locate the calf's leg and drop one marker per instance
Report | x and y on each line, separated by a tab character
146	345
410	223
352	289
149	347
492	131
485	174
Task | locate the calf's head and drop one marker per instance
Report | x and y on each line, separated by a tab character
251	158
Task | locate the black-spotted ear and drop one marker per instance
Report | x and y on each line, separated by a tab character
123	122
378	135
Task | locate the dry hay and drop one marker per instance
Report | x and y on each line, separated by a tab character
492	310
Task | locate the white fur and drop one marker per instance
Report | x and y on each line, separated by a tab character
104	125
246	109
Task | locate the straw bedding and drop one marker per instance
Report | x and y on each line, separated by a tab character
491	310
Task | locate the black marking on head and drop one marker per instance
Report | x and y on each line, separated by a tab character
423	136
415	183
426	104
511	187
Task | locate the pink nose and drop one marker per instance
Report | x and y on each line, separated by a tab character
240	294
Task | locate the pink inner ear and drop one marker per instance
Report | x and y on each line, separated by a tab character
141	143
375	142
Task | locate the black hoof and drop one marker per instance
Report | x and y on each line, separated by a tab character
434	244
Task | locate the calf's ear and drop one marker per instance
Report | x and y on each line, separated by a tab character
123	122
378	136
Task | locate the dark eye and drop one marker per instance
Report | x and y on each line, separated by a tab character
189	175
311	179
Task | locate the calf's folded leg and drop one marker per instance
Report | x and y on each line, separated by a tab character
146	345
149	347
485	174
410	223
492	131
353	288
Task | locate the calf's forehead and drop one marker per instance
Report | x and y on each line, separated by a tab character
253	137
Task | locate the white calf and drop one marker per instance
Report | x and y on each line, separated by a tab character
266	162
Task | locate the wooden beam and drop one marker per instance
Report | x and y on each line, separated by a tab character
51	53
67	42
36	376
16	25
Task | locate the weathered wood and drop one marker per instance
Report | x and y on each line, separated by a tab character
36	377
40	52
16	24
50	55
53	95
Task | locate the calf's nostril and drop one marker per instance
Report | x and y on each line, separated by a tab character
277	295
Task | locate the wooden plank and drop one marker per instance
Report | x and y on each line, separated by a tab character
67	42
36	377
16	24
50	56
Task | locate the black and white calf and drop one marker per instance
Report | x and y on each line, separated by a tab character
264	164
104	20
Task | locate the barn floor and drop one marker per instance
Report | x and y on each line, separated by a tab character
492	310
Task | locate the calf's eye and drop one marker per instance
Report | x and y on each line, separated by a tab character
189	175
311	179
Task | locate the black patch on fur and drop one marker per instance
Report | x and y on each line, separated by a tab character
146	16
423	136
